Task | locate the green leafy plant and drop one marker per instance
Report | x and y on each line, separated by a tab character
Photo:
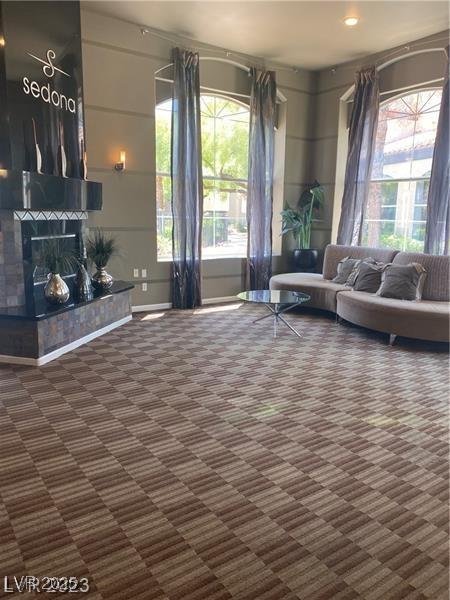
399	243
56	257
299	220
100	248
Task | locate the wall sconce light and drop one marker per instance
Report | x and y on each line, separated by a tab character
120	166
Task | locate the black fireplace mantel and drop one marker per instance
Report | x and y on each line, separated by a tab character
25	190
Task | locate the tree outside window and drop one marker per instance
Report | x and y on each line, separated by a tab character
225	131
397	205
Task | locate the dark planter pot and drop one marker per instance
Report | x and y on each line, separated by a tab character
305	260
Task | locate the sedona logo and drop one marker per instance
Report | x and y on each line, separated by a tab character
44	91
49	68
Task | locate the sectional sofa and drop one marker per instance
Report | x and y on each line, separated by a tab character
428	319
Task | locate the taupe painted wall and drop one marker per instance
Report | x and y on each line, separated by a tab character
119	65
329	148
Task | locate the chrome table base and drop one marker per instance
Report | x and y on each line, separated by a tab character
276	311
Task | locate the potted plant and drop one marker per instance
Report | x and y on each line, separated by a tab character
100	248
56	258
298	221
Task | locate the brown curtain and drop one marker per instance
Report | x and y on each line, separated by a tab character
260	179
187	181
438	212
361	145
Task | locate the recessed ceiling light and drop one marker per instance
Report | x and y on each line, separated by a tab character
351	21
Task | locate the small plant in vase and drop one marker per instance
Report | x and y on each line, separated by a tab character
100	248
298	221
56	258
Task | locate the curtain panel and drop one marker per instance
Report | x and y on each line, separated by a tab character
187	181
437	228
361	146
260	179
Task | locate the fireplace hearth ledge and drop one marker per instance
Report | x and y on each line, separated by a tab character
37	338
43	360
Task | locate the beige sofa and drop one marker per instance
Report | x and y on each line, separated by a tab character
319	286
428	319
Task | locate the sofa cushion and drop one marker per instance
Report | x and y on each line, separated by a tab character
335	253
322	292
404	282
437	286
427	320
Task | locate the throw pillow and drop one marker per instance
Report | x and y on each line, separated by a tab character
344	268
404	282
351	279
369	277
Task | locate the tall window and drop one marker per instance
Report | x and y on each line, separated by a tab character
397	206
225	130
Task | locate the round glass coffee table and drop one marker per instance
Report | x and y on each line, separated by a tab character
278	302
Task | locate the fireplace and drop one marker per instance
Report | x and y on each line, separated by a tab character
35	207
44	189
36	231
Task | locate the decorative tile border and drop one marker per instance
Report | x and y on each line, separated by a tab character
51	215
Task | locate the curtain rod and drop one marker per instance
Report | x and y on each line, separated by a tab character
208	89
406	87
217	50
280	96
174	39
411	86
407	48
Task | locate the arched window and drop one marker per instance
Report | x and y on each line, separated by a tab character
225	130
397	207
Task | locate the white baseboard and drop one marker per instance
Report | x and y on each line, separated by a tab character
221	299
43	360
150	307
168	305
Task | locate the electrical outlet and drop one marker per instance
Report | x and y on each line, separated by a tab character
135	273
144	273
144	287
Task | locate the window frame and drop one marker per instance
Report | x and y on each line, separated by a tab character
227	98
412	222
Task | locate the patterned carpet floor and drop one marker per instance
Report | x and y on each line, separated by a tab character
191	456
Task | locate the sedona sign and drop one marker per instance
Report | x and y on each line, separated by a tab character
44	91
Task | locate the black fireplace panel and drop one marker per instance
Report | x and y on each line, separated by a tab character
44	87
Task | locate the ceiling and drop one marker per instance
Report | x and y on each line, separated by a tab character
307	34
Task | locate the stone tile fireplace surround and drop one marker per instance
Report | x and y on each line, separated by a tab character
31	331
